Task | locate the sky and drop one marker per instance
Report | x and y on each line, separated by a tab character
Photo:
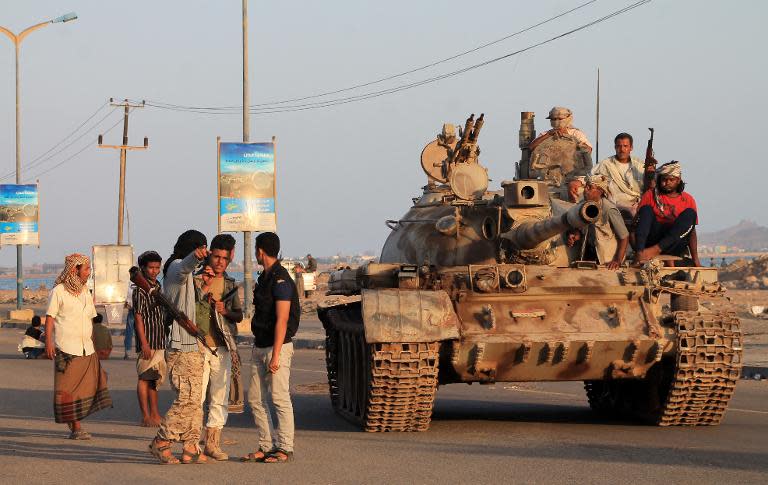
693	70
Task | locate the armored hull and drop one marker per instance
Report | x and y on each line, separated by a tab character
483	290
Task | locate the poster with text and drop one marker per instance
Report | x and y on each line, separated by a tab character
247	187
19	214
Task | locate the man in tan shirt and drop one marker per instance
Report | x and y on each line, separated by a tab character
625	175
219	311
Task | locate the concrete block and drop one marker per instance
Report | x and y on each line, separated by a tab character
25	314
244	327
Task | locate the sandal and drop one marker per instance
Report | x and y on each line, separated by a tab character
80	435
159	453
194	458
279	456
254	457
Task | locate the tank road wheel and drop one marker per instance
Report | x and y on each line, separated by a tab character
705	372
692	388
683	303
347	359
602	396
383	386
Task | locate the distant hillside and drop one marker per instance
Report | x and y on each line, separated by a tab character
746	235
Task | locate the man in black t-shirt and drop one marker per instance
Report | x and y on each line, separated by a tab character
274	323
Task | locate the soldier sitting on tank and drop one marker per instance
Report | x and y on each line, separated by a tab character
609	235
625	175
608	238
561	154
667	218
561	120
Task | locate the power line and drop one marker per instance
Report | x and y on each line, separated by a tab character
403	87
39	161
73	132
390	77
89	145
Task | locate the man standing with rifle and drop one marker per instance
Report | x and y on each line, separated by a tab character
184	420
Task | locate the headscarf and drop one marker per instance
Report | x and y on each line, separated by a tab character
187	242
672	168
600	181
68	276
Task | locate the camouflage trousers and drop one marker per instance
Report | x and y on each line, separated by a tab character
184	419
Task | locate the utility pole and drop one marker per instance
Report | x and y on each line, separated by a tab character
247	235
123	149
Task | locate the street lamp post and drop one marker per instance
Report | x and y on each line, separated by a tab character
16	39
247	235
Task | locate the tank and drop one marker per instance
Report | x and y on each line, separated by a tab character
478	286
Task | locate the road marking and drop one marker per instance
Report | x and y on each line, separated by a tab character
309	370
747	411
551	393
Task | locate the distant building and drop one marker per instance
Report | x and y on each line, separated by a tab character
52	268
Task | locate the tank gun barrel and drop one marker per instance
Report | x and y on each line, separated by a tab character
528	235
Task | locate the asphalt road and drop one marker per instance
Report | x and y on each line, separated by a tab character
503	433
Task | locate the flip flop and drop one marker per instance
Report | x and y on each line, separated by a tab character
279	456
157	452
194	458
80	435
252	458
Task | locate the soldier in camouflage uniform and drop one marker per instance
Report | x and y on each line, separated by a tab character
184	420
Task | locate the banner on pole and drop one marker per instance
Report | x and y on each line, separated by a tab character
246	187
19	214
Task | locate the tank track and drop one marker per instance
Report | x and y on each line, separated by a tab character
707	368
691	389
381	386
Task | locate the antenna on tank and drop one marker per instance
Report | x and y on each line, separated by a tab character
597	120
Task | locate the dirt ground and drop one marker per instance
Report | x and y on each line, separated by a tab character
755	329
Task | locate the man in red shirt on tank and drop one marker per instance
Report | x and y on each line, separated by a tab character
667	217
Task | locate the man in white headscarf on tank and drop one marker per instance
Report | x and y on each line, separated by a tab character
667	218
608	235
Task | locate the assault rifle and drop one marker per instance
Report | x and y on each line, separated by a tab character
649	179
137	278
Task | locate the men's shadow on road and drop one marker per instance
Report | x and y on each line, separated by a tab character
38	404
312	412
74	451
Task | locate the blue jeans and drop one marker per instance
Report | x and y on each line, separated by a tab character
129	330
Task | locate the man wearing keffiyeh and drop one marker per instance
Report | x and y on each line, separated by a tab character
79	383
667	217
